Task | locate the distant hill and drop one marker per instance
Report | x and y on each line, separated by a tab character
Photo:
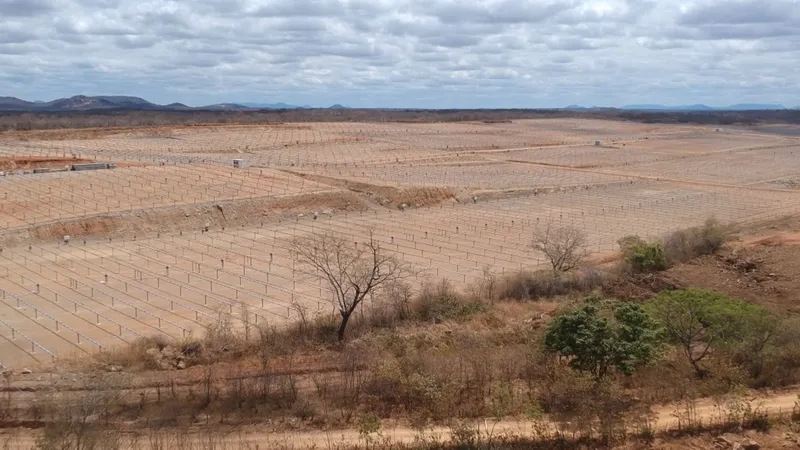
99	102
274	106
753	107
225	107
78	103
587	108
85	103
177	106
15	104
738	107
337	106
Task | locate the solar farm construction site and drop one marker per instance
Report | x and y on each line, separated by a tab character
161	232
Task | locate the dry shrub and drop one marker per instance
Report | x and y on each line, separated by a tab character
137	355
308	333
459	375
439	302
221	336
672	379
739	410
541	284
780	362
486	287
220	342
79	418
398	296
684	245
556	387
579	405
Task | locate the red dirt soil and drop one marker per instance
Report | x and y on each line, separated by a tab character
761	269
37	162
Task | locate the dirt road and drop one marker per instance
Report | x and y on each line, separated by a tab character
704	411
666	418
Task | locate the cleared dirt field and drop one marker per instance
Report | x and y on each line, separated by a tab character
36	198
475	192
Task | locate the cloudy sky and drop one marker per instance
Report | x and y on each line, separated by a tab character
405	53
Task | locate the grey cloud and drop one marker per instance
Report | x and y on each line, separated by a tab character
135	42
300	8
14	49
15	36
661	44
24	8
569	43
498	11
205	47
740	12
562	59
617	12
389	52
714	31
453	40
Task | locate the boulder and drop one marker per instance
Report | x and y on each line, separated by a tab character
723	441
163	365
750	445
170	352
26	371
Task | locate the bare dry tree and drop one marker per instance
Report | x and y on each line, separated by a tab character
353	270
565	247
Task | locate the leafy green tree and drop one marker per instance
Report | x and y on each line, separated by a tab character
594	343
698	320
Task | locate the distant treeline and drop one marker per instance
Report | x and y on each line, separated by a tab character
139	118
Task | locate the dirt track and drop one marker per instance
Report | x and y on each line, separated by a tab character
665	419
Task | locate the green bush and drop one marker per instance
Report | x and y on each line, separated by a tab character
595	344
643	256
698	321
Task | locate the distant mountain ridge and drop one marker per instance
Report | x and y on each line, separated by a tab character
274	106
99	102
737	107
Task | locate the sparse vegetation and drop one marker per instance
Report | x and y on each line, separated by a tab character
683	245
679	246
353	271
440	302
467	370
542	284
565	247
373	285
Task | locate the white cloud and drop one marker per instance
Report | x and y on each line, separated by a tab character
404	53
